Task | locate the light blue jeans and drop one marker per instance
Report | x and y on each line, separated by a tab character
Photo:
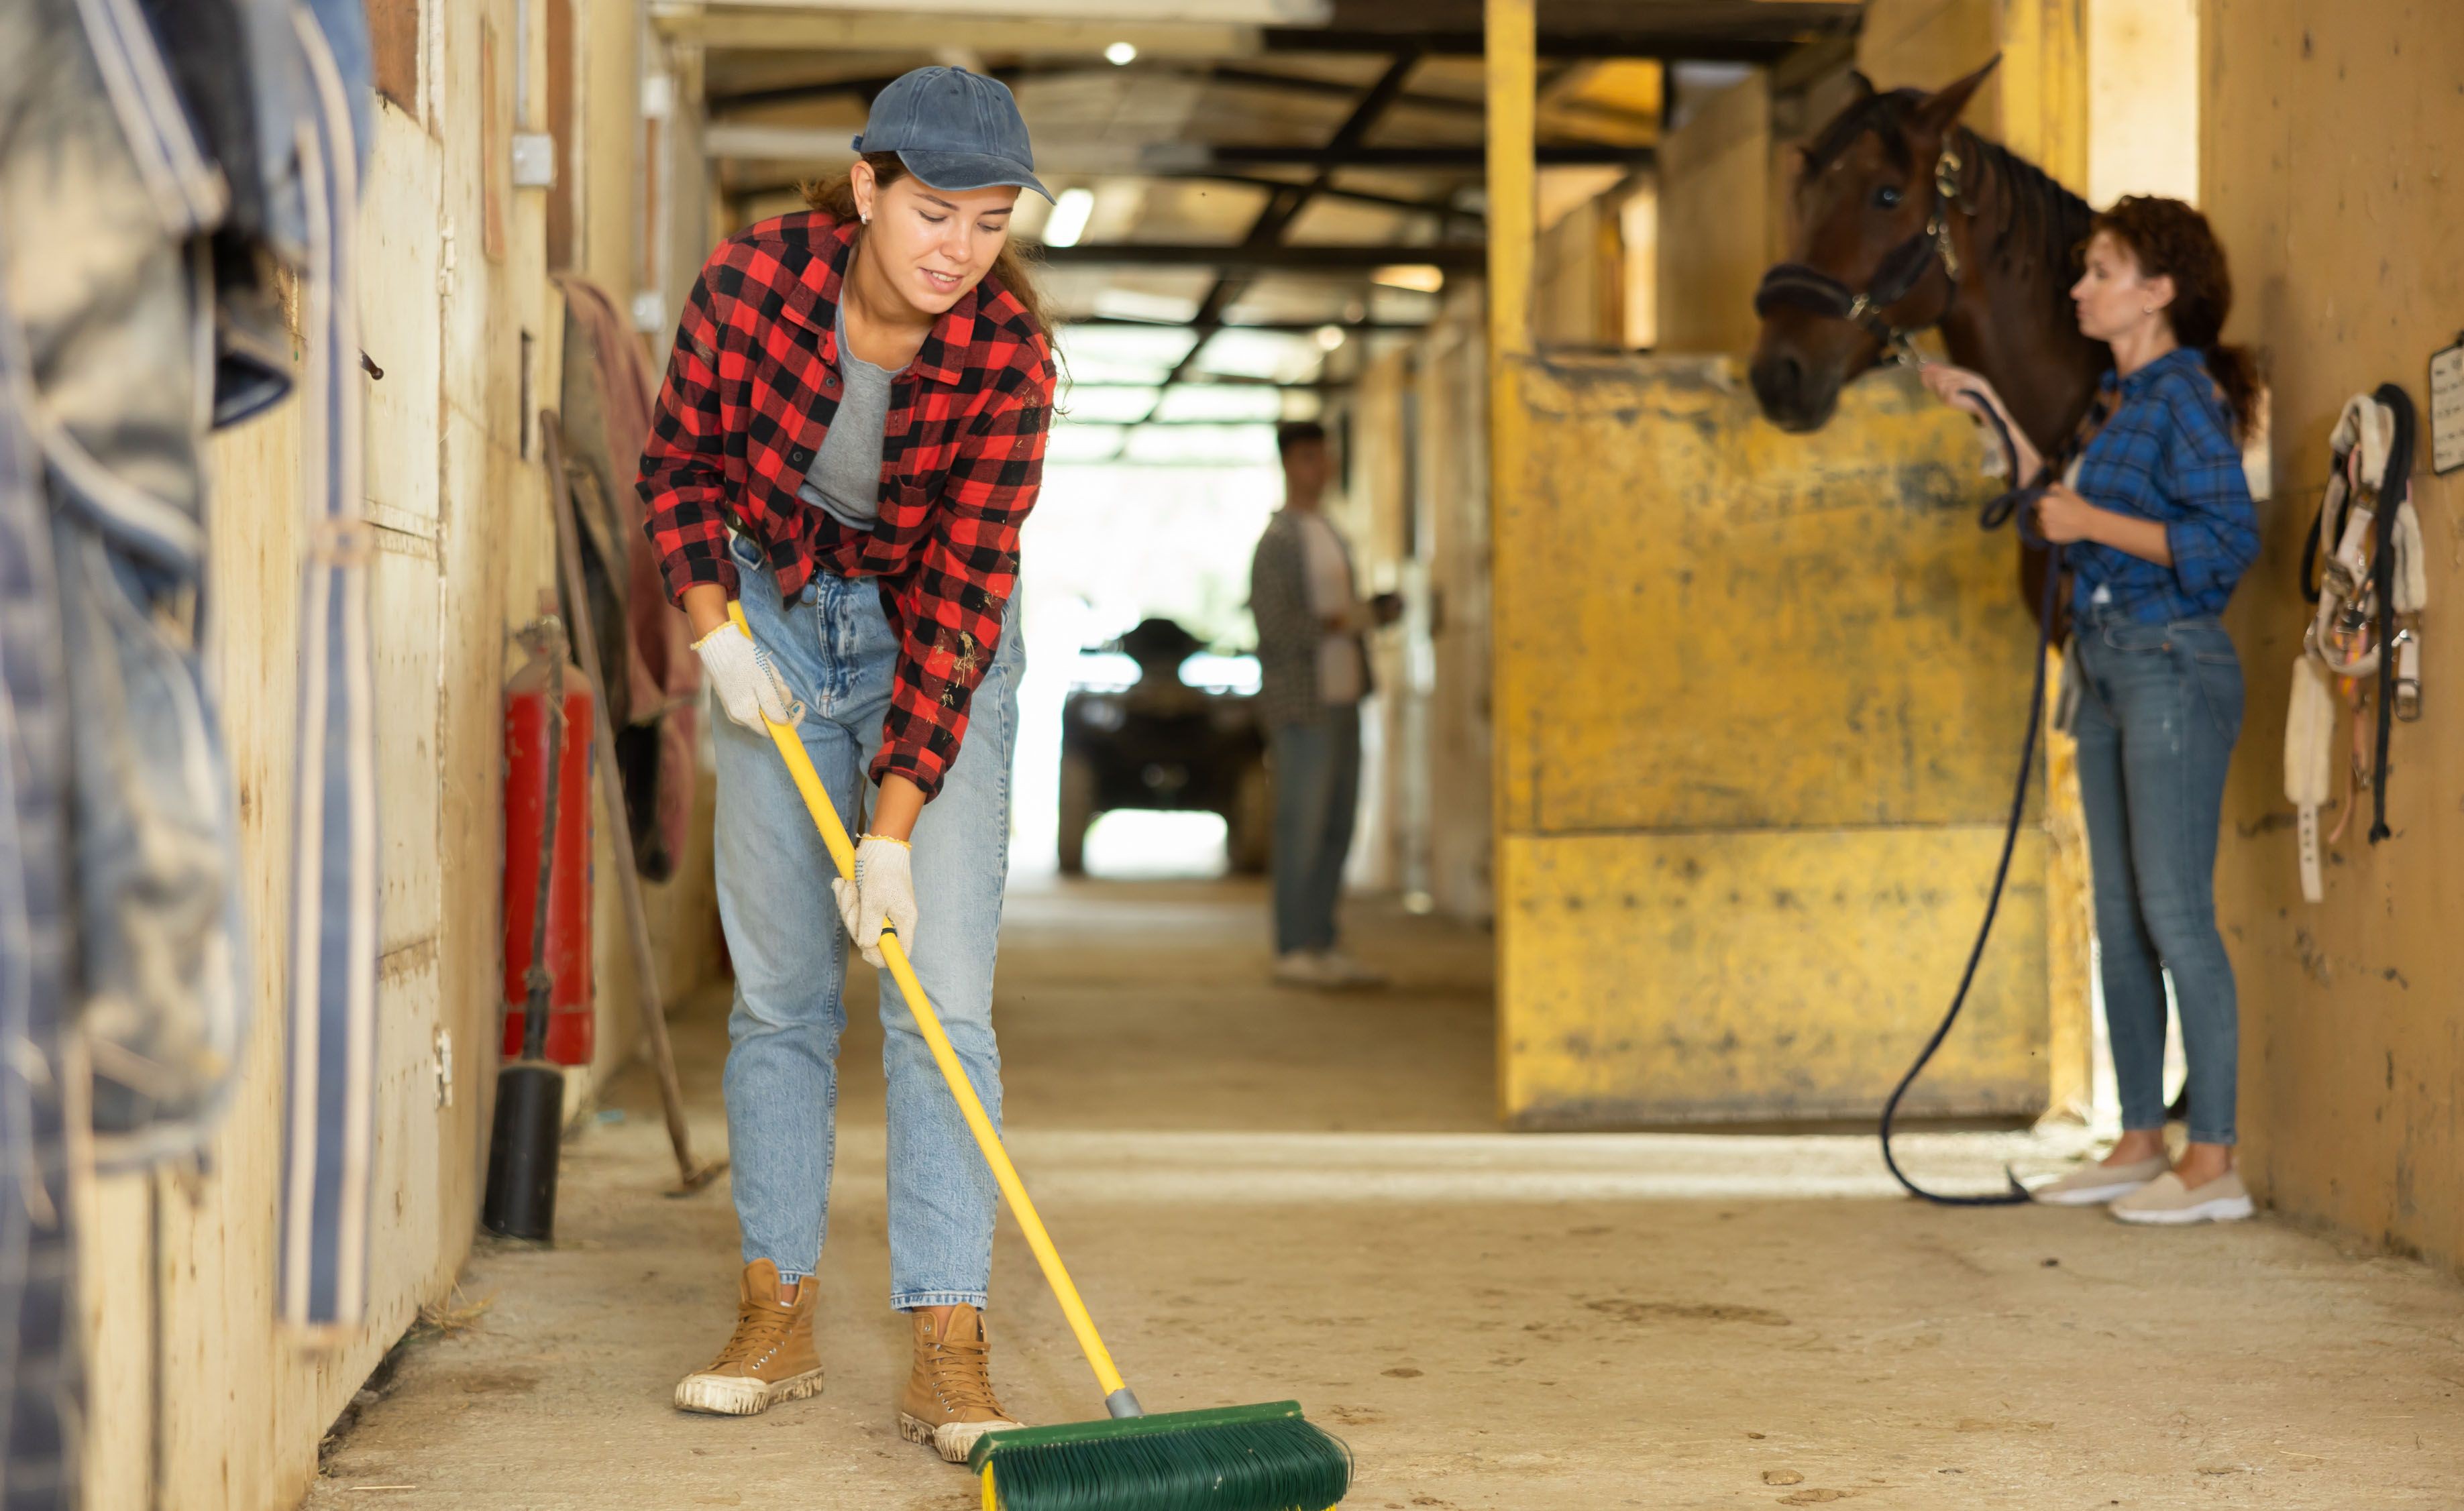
835	647
2159	711
1317	792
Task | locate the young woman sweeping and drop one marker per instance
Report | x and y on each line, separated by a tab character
852	431
2160	528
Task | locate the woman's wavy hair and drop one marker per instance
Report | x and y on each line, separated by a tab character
836	199
2169	239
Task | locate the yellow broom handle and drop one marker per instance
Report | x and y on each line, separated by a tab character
825	815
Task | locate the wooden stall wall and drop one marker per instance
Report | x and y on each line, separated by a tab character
1757	698
1369	510
198	1402
1416	514
1455	615
2331	169
1715	231
2036	102
1927	43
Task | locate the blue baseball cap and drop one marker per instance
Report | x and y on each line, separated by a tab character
952	129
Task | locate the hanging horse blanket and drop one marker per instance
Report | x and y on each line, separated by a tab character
606	410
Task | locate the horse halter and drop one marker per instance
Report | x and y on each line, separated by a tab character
1902	268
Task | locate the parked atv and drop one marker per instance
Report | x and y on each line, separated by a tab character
1162	743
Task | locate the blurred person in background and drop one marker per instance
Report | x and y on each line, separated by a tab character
1313	665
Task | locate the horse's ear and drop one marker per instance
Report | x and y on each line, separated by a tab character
1943	108
1866	89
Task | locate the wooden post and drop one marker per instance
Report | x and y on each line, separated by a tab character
2045	118
1513	207
1513	211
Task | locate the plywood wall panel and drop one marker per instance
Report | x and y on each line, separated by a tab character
1927	43
1779	973
610	198
456	496
1759	698
2331	138
403	591
1715	223
402	252
1746	627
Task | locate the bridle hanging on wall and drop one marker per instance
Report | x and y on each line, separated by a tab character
1797	285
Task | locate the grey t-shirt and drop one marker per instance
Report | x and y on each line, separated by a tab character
845	478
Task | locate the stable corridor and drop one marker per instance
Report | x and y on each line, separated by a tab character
1268	1193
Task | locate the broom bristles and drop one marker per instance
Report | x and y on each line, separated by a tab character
1240	1459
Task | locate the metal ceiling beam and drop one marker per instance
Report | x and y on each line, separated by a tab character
1222	381
828	145
1211	13
1305	84
1348	257
1013	75
1442	209
1277	327
1470	158
923	32
867	85
1284	205
1666	47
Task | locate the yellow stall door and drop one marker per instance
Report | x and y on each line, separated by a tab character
1759	698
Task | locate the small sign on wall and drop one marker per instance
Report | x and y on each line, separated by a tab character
2447	408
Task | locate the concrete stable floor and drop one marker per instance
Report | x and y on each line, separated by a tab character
1271	1195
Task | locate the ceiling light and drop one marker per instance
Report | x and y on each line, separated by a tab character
1121	55
1067	221
1328	338
1420	277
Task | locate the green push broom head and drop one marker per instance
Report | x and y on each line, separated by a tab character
1233	1458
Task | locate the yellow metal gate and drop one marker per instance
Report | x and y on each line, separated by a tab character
1758	701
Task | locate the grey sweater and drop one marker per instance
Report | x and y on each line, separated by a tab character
1290	631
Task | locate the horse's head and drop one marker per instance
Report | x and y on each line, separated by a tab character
1871	221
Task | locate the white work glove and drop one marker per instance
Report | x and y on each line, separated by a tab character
748	686
883	892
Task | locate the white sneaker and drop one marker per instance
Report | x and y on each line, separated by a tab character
1301	968
2166	1200
2098	1185
1342	970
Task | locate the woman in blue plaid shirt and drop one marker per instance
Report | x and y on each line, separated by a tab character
2160	528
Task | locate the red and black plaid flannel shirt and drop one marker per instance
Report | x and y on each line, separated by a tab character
752	387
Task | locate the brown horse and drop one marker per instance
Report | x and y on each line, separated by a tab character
1909	221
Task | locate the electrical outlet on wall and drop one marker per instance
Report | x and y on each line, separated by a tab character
444	1067
534	160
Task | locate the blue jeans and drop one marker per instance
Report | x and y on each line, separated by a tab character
835	647
2160	707
1317	790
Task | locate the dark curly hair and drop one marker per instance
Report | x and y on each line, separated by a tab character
2169	239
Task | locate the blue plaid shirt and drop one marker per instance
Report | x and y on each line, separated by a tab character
2167	454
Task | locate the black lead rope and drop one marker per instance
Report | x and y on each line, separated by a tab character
2392	483
2011	505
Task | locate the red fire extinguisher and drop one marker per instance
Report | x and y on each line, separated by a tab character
570	1024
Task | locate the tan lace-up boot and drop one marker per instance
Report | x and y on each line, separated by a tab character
949	1400
769	1357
